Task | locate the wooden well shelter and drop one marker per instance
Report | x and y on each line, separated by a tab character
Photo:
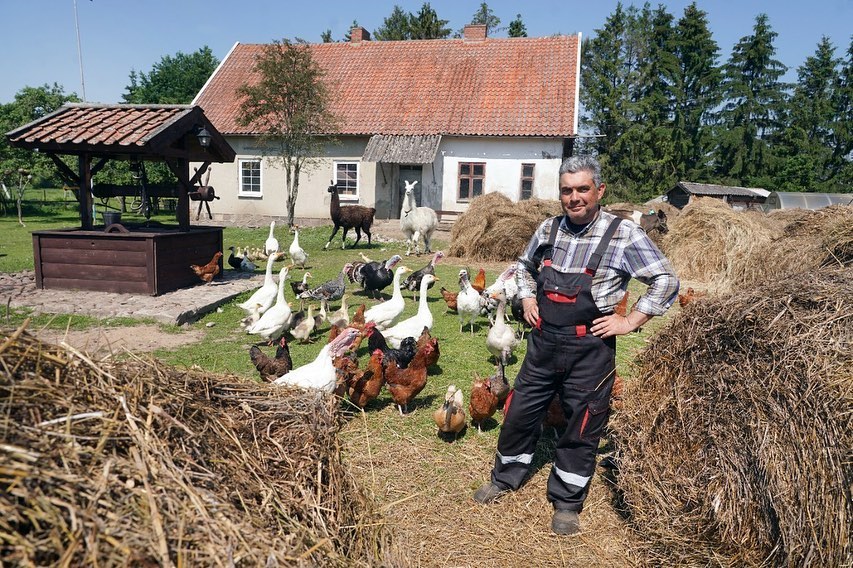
143	258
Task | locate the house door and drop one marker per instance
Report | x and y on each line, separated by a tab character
409	174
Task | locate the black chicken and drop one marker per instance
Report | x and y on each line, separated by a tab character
402	356
272	368
374	276
413	282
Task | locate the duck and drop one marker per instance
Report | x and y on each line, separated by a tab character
296	252
247	265
501	339
450	417
413	282
320	373
234	259
264	296
271	244
340	317
274	321
299	287
467	301
385	314
254	315
331	290
302	330
413	326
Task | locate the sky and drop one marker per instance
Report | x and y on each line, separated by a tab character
116	36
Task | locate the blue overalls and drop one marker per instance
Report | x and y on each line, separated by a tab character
562	357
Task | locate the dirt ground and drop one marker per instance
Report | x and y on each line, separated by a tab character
102	342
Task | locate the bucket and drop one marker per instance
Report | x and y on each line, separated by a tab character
111	217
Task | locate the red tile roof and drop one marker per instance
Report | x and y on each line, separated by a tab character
492	87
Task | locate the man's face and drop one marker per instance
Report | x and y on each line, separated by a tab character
579	196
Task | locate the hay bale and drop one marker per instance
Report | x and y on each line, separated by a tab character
808	241
710	242
735	439
496	229
136	463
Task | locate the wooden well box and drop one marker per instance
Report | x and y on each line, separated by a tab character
141	261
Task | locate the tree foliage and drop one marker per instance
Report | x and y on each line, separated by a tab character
395	27
173	80
427	25
485	15
289	106
517	27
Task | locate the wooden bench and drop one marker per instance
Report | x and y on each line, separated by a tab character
446	219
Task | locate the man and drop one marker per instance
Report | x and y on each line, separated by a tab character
574	271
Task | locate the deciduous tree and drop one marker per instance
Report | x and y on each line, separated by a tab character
173	80
289	106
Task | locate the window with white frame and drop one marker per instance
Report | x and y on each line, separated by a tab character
250	177
527	181
346	178
472	178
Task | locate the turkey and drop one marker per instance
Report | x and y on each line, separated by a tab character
413	282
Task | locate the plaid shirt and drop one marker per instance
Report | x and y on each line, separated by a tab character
631	254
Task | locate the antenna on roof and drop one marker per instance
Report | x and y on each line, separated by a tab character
79	51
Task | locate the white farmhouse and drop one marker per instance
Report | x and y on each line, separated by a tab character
463	117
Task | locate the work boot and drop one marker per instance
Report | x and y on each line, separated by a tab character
488	493
565	522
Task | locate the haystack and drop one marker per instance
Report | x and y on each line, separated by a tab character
136	463
810	240
710	242
735	435
496	229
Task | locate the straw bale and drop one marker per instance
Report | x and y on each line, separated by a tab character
496	229
137	463
734	439
809	240
710	242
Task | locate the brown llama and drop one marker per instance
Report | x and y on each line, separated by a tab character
349	217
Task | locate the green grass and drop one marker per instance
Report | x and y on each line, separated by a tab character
225	346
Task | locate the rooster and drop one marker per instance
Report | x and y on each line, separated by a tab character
272	368
209	270
450	418
483	403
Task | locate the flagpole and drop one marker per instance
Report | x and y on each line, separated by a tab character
79	51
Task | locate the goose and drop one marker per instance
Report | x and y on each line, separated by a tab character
297	253
467	301
413	326
274	321
385	314
263	296
320	373
271	245
501	339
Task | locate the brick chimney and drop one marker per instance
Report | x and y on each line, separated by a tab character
358	34
474	32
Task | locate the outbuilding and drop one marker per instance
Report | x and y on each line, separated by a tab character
805	200
738	197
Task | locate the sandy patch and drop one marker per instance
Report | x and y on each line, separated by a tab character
103	341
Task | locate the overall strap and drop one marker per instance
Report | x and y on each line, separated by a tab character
548	248
595	259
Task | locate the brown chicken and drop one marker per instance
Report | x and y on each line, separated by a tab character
209	270
689	296
479	281
554	417
272	368
405	384
449	299
616	393
345	366
364	385
358	317
434	354
450	417
621	308
483	403
498	385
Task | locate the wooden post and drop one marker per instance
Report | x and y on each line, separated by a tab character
84	173
183	209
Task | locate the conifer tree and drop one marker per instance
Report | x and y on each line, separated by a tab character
517	27
427	25
394	27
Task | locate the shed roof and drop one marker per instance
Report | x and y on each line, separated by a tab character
401	149
486	87
721	190
162	131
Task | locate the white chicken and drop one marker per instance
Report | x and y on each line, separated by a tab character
263	296
385	314
501	339
413	326
467	301
271	244
320	373
274	321
296	252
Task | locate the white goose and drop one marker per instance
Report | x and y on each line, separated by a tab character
320	373
271	245
467	302
385	314
264	296
274	321
413	326
501	339
297	253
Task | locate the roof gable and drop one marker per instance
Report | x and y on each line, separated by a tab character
491	87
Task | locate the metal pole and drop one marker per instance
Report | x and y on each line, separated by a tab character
79	51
